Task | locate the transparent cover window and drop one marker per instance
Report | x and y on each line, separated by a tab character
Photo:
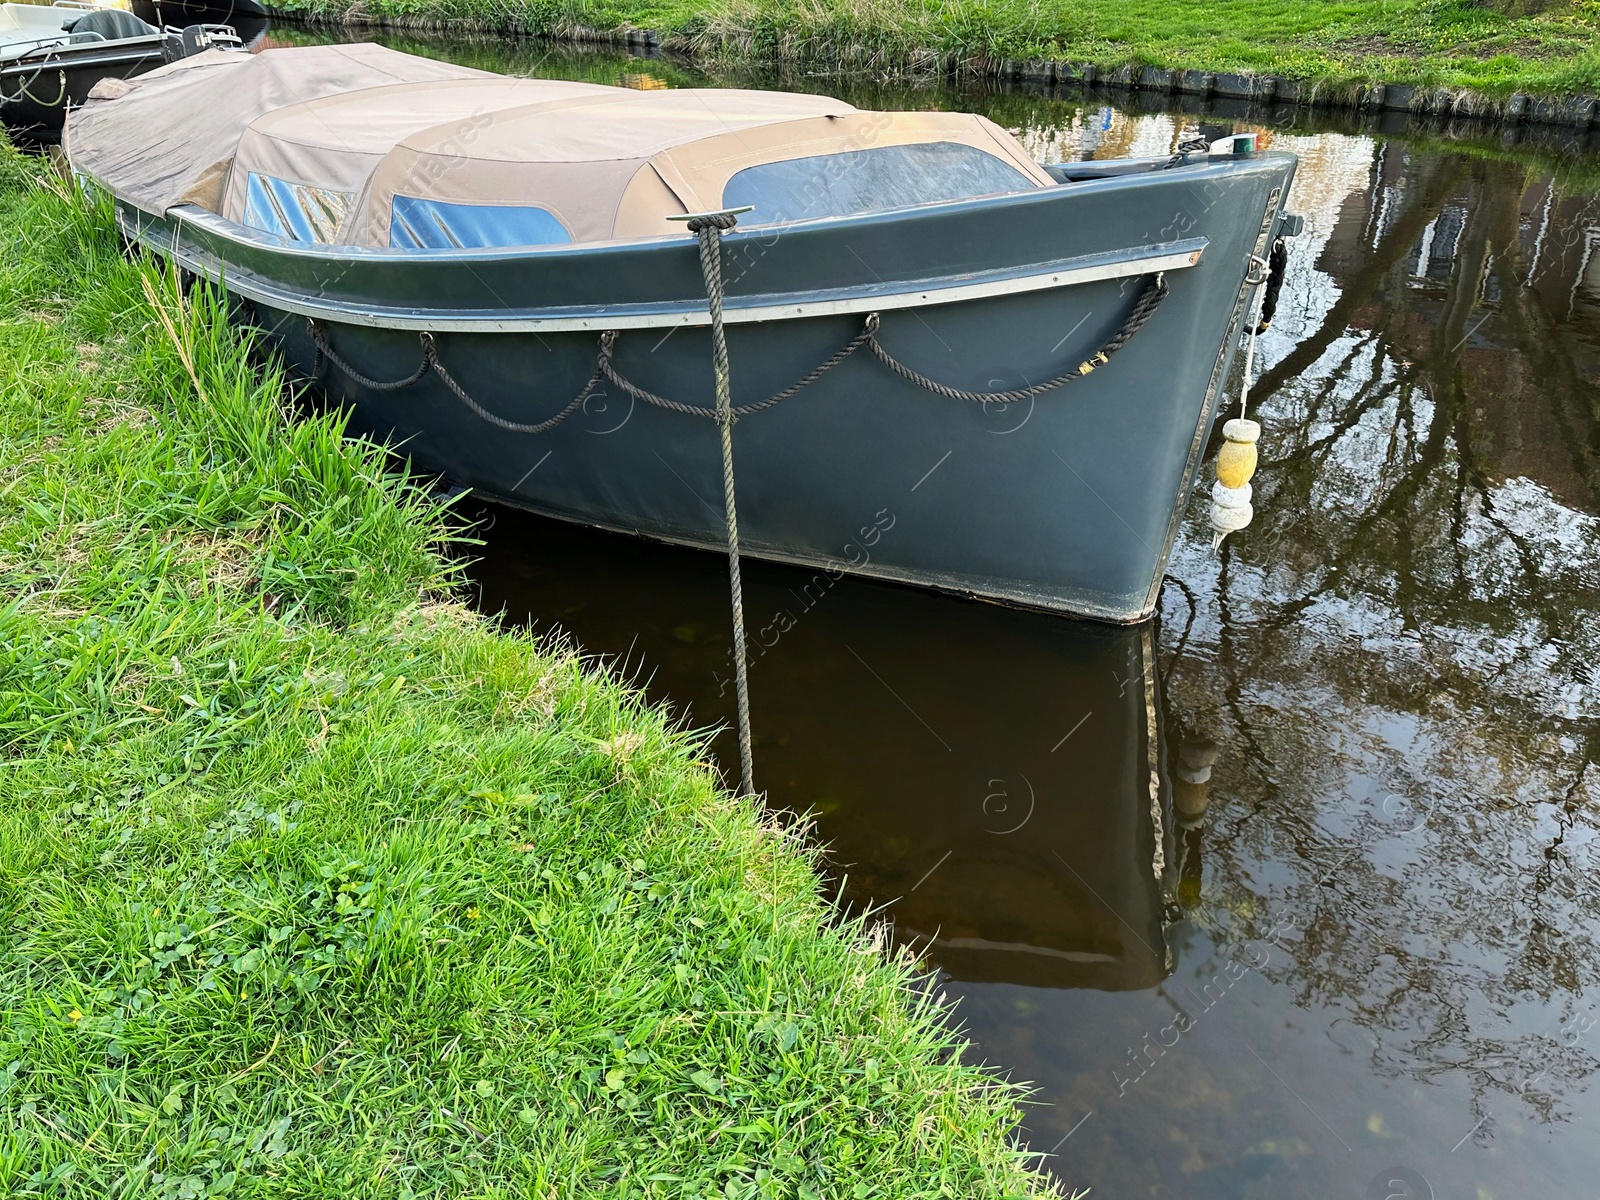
434	225
293	210
859	181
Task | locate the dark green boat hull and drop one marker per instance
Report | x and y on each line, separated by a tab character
1068	501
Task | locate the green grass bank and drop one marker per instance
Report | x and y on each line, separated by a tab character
314	884
1492	48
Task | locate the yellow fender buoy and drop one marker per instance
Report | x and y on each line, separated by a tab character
1236	464
1237	461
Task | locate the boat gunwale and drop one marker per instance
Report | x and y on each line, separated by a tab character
85	54
202	255
691	313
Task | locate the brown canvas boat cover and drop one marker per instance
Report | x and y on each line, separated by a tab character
618	166
335	143
361	145
169	137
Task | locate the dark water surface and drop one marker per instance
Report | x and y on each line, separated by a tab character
1359	959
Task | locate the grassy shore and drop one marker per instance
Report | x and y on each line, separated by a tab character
313	884
1495	47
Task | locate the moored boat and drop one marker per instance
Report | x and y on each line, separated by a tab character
954	366
51	57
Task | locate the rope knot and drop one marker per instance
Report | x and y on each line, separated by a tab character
871	323
430	349
712	221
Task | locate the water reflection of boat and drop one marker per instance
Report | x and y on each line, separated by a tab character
996	778
1035	847
469	260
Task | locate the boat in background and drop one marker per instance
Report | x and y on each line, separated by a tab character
249	19
52	56
954	367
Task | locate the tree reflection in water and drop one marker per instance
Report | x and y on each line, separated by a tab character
1401	657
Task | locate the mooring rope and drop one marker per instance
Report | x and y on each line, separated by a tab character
1184	148
708	228
24	89
1261	280
1277	266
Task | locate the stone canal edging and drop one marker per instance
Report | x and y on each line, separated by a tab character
1521	108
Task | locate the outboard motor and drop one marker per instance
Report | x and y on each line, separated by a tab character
197	39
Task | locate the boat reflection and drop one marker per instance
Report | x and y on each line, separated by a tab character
994	781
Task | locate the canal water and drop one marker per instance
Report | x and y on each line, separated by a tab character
1292	891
